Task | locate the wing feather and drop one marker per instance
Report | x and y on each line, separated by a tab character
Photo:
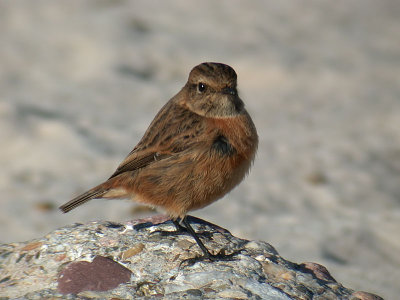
174	130
134	162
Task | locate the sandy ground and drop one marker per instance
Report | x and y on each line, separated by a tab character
81	81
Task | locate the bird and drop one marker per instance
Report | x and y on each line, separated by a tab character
199	146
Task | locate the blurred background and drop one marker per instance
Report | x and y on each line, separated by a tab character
81	81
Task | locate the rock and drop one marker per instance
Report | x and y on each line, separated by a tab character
102	274
360	295
136	260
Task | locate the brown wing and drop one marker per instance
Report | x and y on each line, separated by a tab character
173	130
137	162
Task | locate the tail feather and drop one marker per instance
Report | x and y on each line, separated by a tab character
85	197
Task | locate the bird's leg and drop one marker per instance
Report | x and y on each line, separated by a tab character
189	228
206	254
178	226
180	230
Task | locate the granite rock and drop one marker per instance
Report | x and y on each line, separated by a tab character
137	260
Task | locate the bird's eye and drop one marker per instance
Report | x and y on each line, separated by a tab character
201	87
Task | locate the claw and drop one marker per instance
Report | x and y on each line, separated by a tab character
220	256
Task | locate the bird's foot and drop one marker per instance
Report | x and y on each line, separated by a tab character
180	230
220	256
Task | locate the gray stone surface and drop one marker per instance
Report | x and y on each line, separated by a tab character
136	260
81	80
